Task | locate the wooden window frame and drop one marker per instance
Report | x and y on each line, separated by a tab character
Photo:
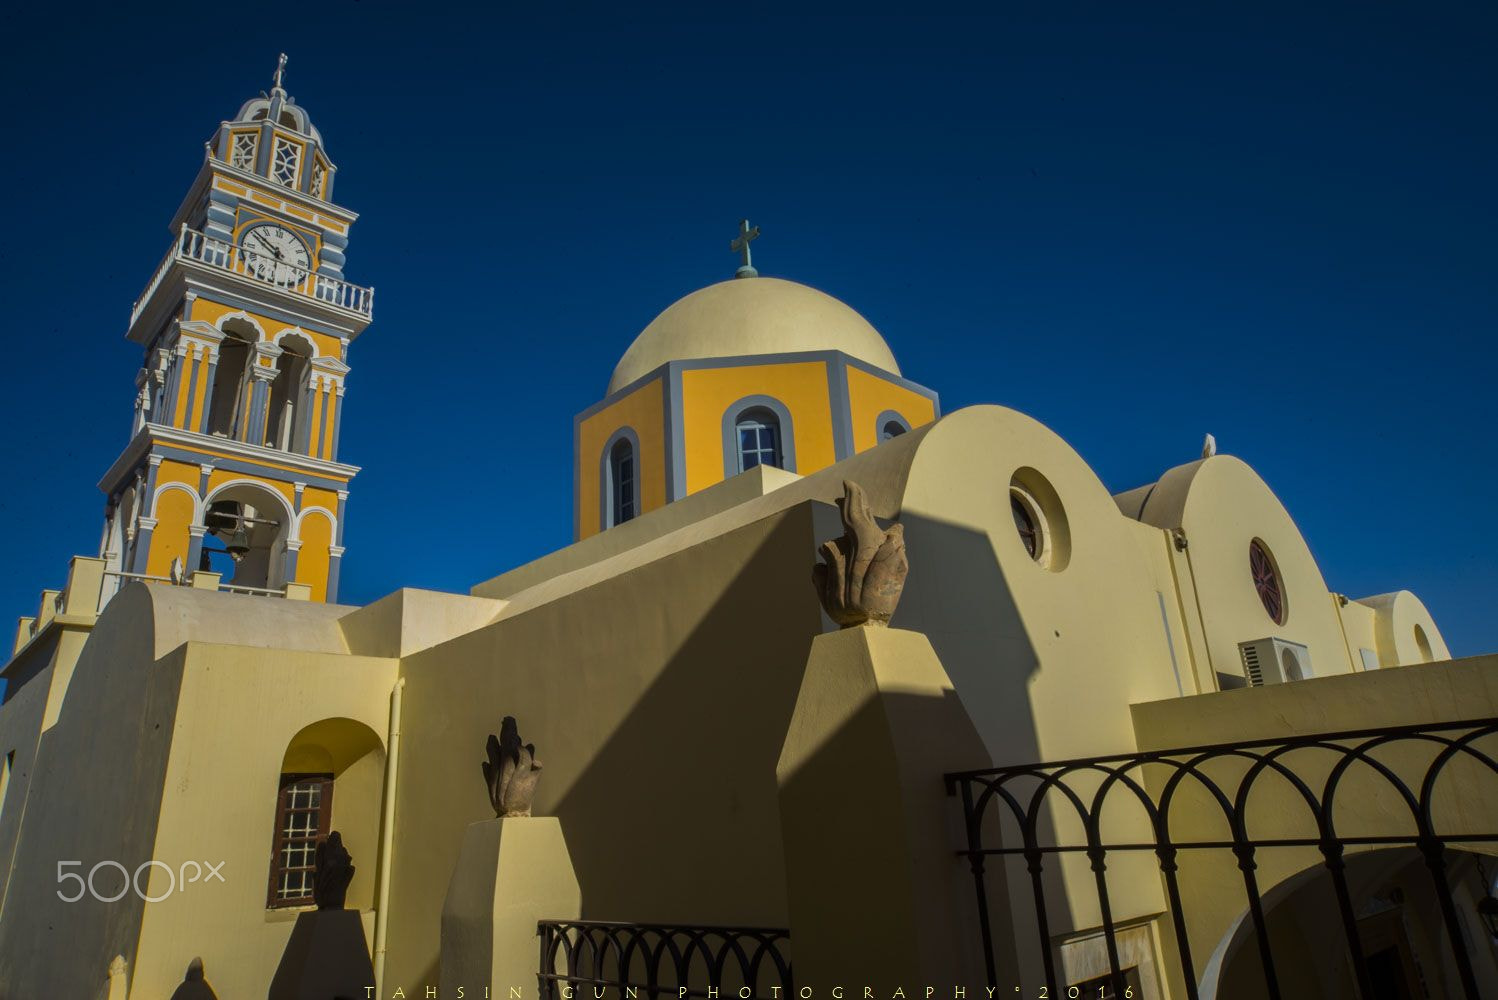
280	840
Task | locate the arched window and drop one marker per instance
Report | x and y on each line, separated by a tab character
889	424
622	481
333	754
759	439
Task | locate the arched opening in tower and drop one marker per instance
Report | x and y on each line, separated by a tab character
245	540
227	404
289	404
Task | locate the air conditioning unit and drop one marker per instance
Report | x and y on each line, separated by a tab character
1274	661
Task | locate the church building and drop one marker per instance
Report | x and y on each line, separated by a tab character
1094	744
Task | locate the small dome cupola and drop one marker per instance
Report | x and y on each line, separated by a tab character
274	137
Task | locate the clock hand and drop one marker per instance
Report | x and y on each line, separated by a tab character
266	243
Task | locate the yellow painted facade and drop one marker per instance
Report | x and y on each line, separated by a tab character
643	411
708	393
870	395
214	313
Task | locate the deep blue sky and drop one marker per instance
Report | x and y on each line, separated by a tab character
1137	223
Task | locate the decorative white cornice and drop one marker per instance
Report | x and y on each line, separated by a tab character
144	523
198	192
185	276
335	551
330	365
200	330
290	462
197	530
293	545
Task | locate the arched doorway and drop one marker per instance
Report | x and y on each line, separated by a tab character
1400	927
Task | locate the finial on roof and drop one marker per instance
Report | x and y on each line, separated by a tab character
740	245
280	71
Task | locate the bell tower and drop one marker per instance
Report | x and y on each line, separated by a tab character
233	463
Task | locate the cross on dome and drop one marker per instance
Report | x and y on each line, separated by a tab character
740	245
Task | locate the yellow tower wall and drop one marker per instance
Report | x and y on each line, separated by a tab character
642	411
707	393
870	395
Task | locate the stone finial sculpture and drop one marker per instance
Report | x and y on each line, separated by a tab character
511	772
861	574
332	871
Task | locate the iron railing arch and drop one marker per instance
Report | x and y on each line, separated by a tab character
653	961
1020	794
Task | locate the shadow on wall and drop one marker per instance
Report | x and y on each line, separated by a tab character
958	596
660	720
658	700
692	832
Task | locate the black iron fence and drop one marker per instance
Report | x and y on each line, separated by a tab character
1006	815
653	961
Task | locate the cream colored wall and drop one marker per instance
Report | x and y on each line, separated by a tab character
1403	630
125	776
238	710
1221	505
96	790
1043	660
1212	885
658	725
20	730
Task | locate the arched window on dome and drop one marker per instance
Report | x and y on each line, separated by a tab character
759	439
622	484
619	477
757	430
890	424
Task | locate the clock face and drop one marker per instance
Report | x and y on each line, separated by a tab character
274	253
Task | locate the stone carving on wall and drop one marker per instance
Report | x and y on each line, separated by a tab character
511	772
332	871
862	573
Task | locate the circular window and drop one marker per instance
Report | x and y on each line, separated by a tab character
1266	577
1026	522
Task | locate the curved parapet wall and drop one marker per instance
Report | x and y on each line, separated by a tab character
1220	509
1404	630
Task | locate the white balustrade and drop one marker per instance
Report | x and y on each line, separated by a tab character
201	248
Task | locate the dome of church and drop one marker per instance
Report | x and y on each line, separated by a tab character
750	316
287	113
